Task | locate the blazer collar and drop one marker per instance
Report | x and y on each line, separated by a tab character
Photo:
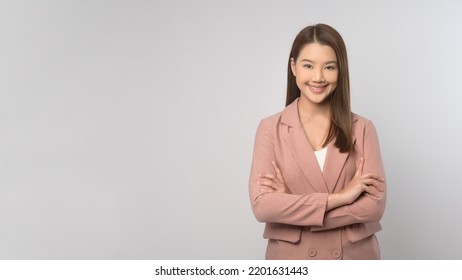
290	115
303	153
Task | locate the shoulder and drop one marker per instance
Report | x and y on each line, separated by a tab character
363	128
271	125
267	129
359	119
272	120
360	122
287	117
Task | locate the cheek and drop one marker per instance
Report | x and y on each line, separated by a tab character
300	80
332	77
334	85
303	76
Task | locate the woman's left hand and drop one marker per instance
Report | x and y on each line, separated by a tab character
273	183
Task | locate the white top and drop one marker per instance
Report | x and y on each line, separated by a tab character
321	157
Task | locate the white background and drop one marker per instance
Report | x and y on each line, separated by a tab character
127	127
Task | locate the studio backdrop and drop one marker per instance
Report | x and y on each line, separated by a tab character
127	127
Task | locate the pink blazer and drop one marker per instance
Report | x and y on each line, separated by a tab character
281	138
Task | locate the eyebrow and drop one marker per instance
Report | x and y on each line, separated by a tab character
328	62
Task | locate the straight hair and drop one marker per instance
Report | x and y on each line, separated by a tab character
340	127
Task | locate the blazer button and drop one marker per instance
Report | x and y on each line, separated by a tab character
336	254
312	252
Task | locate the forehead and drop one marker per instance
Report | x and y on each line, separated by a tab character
317	53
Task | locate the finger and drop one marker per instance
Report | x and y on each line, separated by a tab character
374	176
267	176
278	171
266	190
267	183
373	196
372	191
372	182
359	169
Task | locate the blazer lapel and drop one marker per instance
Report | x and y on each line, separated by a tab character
333	166
304	156
300	148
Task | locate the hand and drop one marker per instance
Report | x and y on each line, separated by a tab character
370	184
273	183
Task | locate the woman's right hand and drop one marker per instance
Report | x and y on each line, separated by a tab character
370	184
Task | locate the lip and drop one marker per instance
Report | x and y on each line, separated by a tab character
318	88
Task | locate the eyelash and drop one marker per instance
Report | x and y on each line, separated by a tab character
330	67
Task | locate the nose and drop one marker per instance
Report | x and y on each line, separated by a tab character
319	76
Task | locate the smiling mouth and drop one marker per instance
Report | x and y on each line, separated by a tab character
317	89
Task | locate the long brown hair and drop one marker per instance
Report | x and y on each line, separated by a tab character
340	123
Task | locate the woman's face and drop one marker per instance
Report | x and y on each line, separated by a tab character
316	72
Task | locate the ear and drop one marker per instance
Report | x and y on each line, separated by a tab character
292	66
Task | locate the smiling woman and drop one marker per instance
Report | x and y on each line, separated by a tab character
317	177
315	72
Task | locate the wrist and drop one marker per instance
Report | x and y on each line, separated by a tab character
334	200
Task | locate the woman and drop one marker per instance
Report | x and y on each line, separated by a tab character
317	177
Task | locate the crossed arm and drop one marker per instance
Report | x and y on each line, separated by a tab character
370	184
361	200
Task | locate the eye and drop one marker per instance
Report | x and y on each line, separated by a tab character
331	67
308	66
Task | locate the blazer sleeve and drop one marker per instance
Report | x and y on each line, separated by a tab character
366	208
293	209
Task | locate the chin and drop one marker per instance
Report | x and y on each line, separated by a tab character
317	98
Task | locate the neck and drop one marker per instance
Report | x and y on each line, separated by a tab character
309	110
